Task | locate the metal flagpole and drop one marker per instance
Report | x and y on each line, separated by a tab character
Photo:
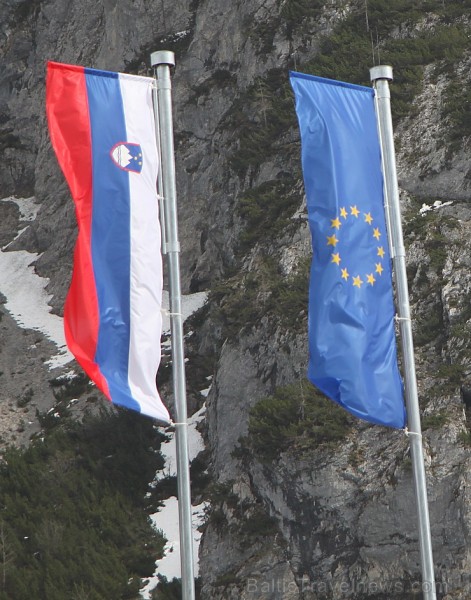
381	75
162	61
160	186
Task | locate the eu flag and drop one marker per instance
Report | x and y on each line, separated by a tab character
352	342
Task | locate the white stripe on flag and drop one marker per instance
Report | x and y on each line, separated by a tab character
146	258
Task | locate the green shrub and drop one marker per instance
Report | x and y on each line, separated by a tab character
258	524
25	398
456	112
241	301
265	112
74	516
452	373
465	438
266	210
296	418
168	590
347	53
435	421
429	324
289	296
295	15
68	389
172	590
260	117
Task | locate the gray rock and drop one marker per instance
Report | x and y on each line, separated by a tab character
344	522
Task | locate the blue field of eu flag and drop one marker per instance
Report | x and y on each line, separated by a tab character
352	346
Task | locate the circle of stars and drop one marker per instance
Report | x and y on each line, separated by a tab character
357	279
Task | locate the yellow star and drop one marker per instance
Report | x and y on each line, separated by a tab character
381	251
345	274
357	281
336	223
343	213
370	278
379	268
332	240
376	233
336	258
368	218
354	211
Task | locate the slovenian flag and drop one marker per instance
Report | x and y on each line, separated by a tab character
103	133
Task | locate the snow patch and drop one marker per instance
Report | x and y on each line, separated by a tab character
166	519
190	304
435	206
28	207
206	391
27	301
169	448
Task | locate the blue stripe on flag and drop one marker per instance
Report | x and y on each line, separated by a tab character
110	234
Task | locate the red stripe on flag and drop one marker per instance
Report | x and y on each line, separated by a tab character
69	126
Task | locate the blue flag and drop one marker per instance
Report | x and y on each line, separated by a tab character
352	346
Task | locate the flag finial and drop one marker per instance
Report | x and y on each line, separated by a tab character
162	57
381	72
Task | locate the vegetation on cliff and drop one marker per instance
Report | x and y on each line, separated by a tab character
74	518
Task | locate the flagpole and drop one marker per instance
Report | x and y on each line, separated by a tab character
381	75
160	185
161	61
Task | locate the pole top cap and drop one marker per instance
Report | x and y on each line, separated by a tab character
381	72
162	57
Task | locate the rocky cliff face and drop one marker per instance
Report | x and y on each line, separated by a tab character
317	520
